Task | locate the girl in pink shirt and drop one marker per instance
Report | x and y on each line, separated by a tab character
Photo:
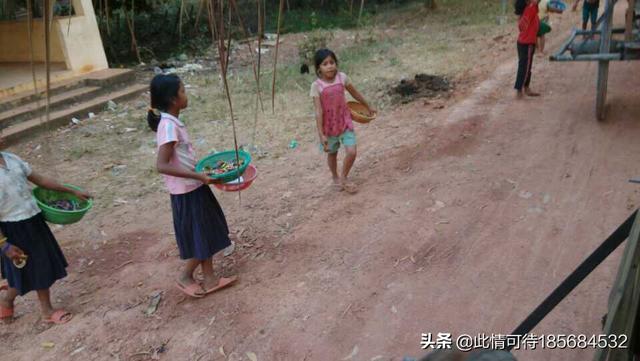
333	117
199	223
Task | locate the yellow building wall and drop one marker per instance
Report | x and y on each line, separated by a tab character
81	42
14	42
76	43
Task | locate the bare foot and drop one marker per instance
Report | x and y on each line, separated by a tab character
531	93
336	184
190	286
349	187
209	282
519	94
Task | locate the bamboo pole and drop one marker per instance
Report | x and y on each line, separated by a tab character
47	55
198	14
224	62
31	53
69	15
106	7
258	98
131	24
250	47
275	60
360	13
180	13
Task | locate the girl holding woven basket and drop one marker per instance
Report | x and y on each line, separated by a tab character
333	118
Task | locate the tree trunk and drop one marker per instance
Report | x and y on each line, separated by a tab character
430	4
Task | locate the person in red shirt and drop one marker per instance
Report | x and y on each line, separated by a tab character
528	24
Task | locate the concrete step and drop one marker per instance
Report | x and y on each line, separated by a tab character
36	108
101	78
8	103
109	77
30	127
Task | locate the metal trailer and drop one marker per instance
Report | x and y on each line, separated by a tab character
604	44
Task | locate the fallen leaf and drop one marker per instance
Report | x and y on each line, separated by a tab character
353	354
252	356
153	303
221	349
77	351
48	344
525	194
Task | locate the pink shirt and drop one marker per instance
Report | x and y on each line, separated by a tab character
172	130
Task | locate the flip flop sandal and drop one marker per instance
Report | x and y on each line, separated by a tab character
350	188
222	283
59	317
6	314
191	290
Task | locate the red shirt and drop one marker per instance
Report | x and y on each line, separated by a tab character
529	24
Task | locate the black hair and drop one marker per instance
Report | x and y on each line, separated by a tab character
520	5
164	89
322	54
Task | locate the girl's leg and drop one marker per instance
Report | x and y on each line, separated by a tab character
530	52
585	17
9	296
207	272
349	158
332	160
46	308
211	284
594	18
541	42
6	301
522	68
45	303
186	277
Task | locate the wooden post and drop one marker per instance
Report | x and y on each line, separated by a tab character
623	300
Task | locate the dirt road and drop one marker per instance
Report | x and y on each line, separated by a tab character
467	217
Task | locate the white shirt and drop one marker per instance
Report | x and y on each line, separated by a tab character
16	201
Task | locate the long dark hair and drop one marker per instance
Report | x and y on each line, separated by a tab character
164	89
520	5
322	54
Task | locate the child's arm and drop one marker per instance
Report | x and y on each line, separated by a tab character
357	96
165	167
53	185
318	107
12	252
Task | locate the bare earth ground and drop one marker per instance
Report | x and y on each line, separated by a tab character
467	217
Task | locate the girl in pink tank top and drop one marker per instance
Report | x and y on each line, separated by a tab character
333	117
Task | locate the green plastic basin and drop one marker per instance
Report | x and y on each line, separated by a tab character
59	216
227	156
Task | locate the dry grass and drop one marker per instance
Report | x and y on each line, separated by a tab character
407	42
